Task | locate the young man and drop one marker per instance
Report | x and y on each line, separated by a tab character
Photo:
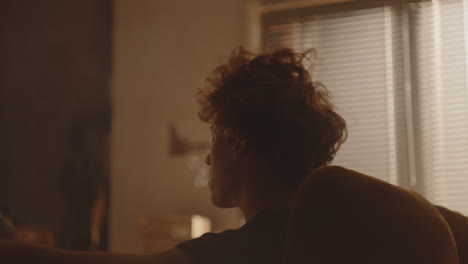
271	126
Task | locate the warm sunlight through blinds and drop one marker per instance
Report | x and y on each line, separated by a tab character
399	77
360	61
440	41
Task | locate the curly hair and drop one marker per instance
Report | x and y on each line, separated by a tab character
270	102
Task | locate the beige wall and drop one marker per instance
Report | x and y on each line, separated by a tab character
163	49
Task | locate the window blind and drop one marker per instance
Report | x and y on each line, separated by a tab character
440	52
360	61
398	75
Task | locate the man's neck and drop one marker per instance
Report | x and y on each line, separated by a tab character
253	203
258	191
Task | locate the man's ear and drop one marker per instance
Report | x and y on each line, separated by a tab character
239	148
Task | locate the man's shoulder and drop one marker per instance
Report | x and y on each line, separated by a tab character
212	241
258	241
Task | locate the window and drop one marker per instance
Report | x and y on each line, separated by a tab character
398	75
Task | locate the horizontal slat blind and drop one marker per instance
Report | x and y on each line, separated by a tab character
440	46
361	64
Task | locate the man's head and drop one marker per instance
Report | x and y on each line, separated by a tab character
266	111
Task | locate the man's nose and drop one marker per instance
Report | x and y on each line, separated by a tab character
208	159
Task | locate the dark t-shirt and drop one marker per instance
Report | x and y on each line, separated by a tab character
260	240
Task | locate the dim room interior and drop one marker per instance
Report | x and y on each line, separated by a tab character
102	148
